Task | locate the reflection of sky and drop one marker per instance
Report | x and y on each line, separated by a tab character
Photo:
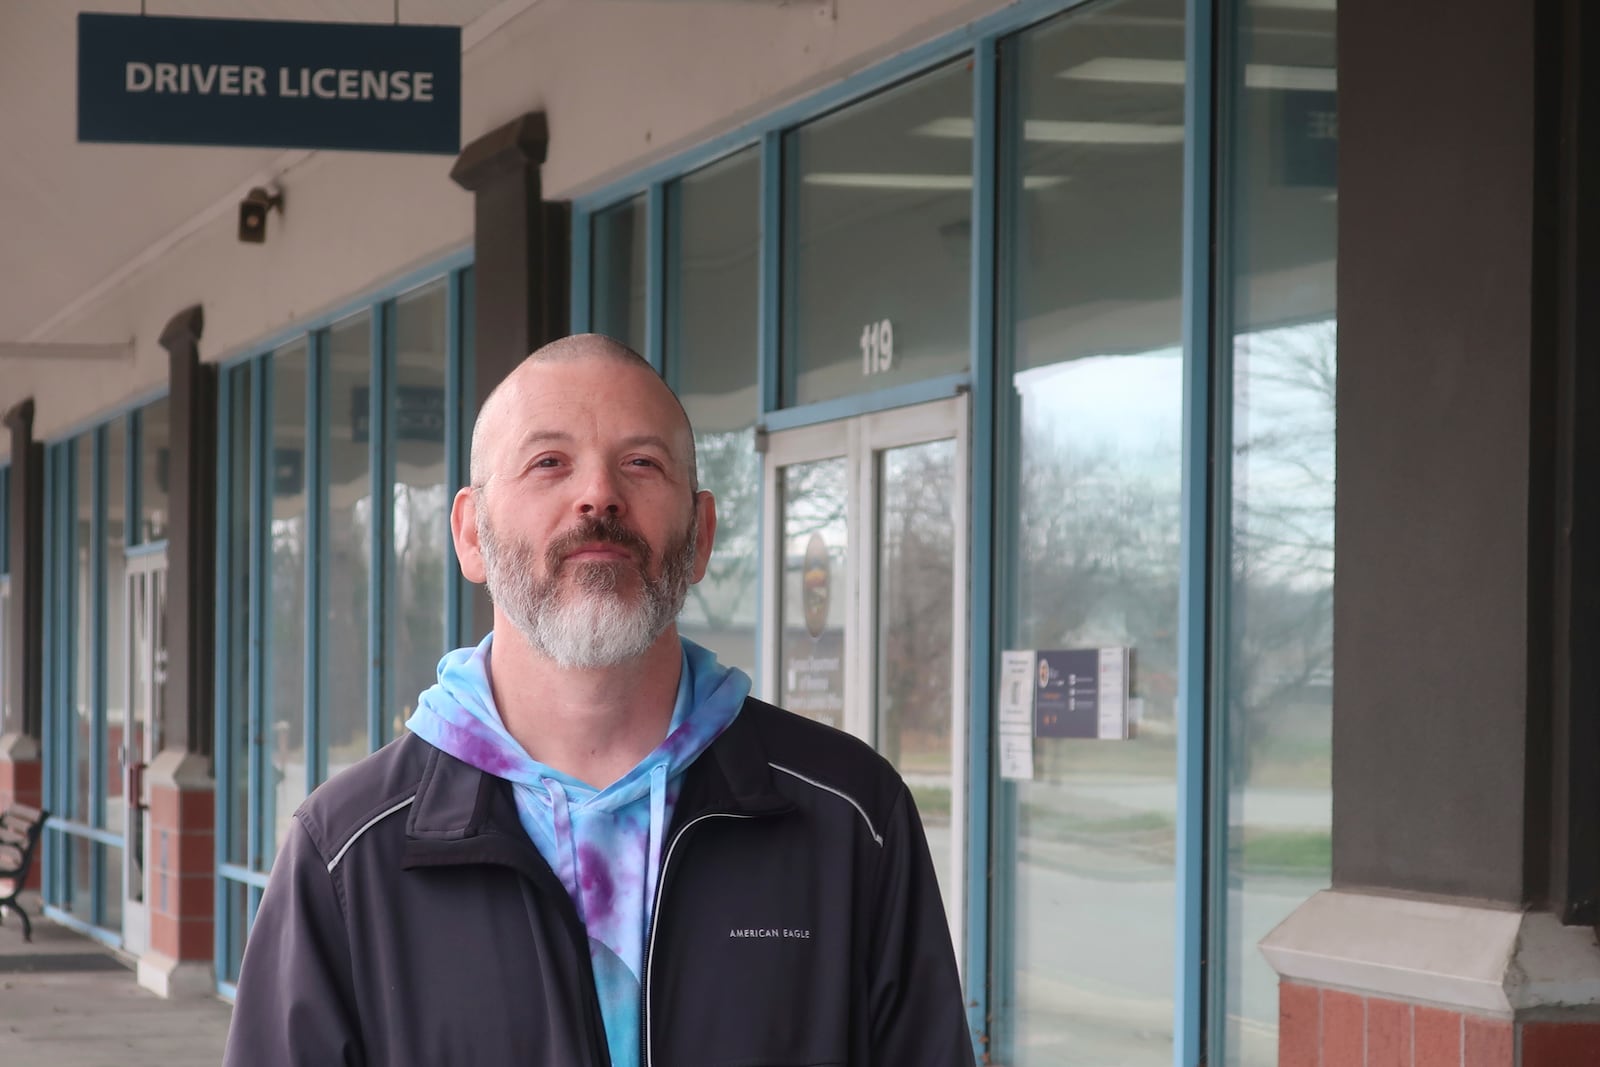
1125	407
1124	410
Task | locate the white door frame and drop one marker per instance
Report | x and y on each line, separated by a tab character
144	634
859	440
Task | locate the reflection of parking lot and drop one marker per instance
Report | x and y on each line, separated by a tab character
1092	955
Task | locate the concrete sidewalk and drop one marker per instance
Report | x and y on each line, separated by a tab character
67	1001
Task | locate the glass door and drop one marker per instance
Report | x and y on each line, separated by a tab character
145	678
865	587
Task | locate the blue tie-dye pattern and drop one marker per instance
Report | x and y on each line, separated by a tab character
605	845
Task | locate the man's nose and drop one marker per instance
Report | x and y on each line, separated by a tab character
601	493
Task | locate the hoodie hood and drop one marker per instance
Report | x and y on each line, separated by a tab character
605	845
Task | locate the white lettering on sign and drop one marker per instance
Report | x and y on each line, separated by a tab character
877	347
232	79
199	79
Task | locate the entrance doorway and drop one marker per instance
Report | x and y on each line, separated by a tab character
146	682
865	597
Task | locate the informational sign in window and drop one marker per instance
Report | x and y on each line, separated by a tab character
1075	693
258	83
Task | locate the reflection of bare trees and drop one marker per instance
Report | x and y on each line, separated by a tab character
1280	648
731	469
915	567
1097	552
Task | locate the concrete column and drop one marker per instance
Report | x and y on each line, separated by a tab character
181	854
20	765
1456	933
521	261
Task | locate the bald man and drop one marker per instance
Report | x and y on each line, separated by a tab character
593	847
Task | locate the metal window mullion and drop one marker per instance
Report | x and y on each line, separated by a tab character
1004	408
672	351
256	641
222	751
315	576
655	262
582	304
97	667
380	455
980	546
769	313
769	308
1201	897
459	407
69	646
48	782
133	443
788	269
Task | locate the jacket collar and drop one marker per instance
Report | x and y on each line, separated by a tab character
462	815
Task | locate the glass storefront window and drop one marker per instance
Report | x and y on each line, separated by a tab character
1092	187
1278	657
347	465
618	308
155	460
713	242
284	691
815	589
111	604
419	557
82	695
877	241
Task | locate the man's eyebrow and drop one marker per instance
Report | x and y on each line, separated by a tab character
651	439
539	437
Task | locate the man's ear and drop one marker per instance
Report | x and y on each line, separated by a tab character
705	506
464	532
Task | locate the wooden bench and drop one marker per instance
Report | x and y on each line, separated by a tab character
20	828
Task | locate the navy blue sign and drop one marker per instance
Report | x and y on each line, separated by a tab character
253	83
1066	700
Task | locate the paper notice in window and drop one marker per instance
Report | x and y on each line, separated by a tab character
1015	706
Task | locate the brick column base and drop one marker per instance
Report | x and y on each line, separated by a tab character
21	782
1383	982
182	861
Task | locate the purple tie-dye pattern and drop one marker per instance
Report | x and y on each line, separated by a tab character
604	845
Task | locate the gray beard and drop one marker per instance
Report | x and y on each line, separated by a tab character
591	625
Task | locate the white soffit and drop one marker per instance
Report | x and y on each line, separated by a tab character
75	218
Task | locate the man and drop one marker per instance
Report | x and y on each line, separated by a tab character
593	847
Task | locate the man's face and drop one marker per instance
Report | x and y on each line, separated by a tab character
587	531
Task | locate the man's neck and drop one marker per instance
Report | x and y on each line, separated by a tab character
595	725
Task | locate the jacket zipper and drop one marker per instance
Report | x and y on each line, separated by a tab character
655	917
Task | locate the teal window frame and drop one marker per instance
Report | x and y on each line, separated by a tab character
255	365
1207	294
63	479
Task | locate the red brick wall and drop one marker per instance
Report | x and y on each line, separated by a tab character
182	869
1333	1028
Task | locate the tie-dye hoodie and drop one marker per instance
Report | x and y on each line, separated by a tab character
605	845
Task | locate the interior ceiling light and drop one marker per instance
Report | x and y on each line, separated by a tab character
1170	72
929	182
1053	131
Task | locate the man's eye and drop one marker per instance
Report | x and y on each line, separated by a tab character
641	461
546	461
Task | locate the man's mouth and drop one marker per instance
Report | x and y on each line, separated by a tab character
602	552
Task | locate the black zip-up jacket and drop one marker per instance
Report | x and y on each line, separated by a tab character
410	920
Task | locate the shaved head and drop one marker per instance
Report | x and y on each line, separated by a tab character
497	418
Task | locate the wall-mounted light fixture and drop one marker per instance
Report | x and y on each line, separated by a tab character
253	213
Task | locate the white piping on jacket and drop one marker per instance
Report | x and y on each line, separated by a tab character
836	792
375	820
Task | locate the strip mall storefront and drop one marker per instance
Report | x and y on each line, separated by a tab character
1015	337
